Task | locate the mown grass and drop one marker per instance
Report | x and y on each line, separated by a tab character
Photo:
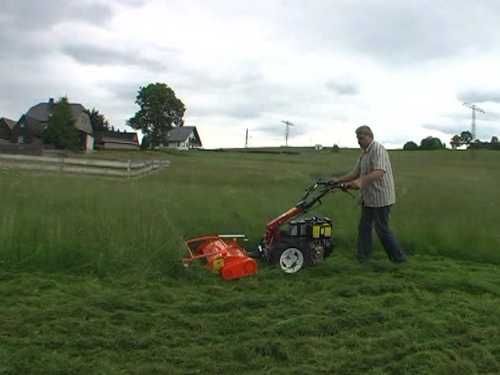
91	279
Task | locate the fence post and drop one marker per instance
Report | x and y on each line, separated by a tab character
61	168
129	168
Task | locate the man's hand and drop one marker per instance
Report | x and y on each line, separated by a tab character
333	180
354	184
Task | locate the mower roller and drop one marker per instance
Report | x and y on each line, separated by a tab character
223	255
305	241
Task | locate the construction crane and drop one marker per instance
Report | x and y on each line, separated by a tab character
287	131
475	109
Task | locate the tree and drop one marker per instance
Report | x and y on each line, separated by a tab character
431	143
410	146
160	110
146	142
456	141
478	145
494	144
466	137
97	120
61	131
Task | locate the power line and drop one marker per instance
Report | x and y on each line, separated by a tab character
287	131
475	109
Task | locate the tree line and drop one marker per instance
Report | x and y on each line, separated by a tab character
463	139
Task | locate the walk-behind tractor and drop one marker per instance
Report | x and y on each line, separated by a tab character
291	240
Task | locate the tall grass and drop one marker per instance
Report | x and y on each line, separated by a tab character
447	205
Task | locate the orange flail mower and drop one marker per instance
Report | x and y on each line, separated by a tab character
222	254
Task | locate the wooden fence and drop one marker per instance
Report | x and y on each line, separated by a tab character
130	168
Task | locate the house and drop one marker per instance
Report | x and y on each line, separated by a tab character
6	126
30	126
183	138
112	140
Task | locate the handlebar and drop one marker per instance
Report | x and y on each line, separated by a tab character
322	188
327	185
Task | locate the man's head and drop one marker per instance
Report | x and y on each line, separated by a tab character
364	135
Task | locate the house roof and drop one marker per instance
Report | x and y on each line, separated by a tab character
41	112
10	123
116	137
36	127
180	134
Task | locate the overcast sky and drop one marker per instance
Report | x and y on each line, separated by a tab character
403	67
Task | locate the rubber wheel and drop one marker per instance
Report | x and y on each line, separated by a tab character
291	259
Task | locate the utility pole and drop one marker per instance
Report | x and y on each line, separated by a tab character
246	139
287	125
474	109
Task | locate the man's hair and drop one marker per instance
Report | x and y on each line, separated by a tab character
364	129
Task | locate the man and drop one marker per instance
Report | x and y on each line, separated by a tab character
373	175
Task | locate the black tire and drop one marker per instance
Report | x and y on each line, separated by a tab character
293	248
291	260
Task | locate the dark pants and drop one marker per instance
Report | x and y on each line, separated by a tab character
379	216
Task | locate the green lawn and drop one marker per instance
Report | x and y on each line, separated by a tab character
91	279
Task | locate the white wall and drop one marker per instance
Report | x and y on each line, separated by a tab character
89	143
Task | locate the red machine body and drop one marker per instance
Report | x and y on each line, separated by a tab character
273	227
293	240
312	196
223	255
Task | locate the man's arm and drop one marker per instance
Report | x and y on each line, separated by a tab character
366	180
347	178
355	173
378	163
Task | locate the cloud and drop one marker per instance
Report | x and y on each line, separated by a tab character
480	96
234	104
343	88
97	55
22	46
278	129
390	31
241	95
42	15
27	27
133	3
466	116
445	128
123	91
483	130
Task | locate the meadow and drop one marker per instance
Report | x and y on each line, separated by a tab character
91	279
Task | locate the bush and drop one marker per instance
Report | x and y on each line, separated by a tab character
478	145
410	146
431	143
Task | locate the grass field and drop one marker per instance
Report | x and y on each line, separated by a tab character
91	279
